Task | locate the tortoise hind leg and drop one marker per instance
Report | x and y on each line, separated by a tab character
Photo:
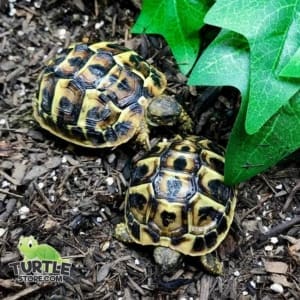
121	233
212	264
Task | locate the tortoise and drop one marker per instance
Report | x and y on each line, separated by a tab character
177	201
103	95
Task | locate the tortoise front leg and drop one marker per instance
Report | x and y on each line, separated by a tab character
143	135
186	124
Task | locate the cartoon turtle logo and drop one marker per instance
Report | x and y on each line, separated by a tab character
41	262
31	250
46	257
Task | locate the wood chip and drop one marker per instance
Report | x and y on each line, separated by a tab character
250	225
14	74
205	285
276	267
294	251
127	294
291	196
103	272
281	279
50	224
53	163
19	172
79	4
3	191
9	284
7	65
135	267
9	257
136	286
25	292
8	178
35	172
10	208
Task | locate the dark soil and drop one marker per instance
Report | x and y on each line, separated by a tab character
71	198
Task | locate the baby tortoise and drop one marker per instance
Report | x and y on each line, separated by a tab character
178	202
103	95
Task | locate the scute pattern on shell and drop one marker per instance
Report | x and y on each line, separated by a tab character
91	95
177	197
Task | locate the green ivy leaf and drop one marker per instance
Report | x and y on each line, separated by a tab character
271	28
292	69
226	61
179	22
249	155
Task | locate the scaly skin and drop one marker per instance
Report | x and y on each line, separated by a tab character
186	124
212	264
143	136
122	234
167	258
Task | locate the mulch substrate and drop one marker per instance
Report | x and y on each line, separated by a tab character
72	198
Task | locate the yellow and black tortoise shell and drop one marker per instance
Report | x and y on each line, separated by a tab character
89	94
177	197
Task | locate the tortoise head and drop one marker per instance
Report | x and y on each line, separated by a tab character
163	110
